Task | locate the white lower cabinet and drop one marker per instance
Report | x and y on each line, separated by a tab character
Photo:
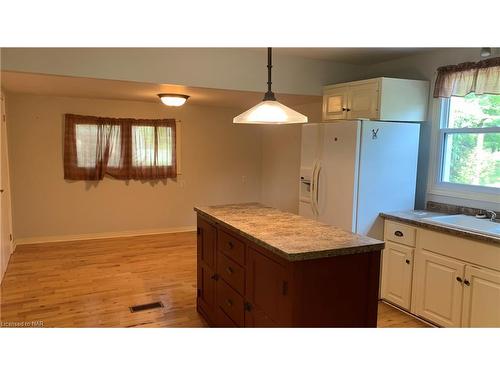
438	288
447	280
481	307
397	266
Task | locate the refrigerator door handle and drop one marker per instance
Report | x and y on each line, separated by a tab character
316	188
313	188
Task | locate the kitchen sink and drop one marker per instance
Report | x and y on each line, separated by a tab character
468	223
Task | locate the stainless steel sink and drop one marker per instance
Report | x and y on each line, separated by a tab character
468	223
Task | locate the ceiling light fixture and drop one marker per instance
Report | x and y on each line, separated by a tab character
485	52
173	100
270	111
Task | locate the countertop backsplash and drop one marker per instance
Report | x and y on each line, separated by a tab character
454	209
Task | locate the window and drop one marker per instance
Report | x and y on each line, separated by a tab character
121	148
470	140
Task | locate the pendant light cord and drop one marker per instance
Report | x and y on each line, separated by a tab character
269	95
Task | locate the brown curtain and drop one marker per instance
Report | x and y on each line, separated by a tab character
140	149
481	77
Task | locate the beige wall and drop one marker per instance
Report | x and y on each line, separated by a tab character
281	161
215	157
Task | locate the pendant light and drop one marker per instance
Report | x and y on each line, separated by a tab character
270	111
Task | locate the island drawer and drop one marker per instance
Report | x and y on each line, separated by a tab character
231	272
399	233
231	246
230	302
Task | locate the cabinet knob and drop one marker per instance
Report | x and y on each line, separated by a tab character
459	279
215	277
229	302
348	110
230	245
407	261
466	282
248	306
398	233
229	270
344	109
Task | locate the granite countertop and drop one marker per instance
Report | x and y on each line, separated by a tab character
414	217
290	236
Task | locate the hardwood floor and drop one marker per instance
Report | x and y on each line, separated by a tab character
92	284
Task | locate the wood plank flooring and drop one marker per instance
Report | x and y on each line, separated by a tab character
93	283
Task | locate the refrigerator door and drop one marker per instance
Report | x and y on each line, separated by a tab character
338	174
387	172
310	151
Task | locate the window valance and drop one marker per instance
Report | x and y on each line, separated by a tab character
482	77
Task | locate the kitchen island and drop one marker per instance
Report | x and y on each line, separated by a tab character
261	267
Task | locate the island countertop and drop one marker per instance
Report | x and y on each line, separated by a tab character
290	236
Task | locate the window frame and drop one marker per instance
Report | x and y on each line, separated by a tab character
438	186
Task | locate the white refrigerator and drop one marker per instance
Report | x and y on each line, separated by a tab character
353	170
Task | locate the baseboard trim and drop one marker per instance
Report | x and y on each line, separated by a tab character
96	236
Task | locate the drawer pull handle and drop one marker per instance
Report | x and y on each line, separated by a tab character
398	233
229	270
466	282
230	245
459	279
229	302
407	261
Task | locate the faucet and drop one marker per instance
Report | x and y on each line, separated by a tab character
493	214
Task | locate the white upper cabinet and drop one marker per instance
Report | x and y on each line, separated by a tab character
335	104
385	99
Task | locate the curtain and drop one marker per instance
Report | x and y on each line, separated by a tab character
141	149
482	77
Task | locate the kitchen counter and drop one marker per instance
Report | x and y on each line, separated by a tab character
261	267
287	235
414	217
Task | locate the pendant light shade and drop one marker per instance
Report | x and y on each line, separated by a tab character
270	111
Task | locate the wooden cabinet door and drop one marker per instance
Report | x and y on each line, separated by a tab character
206	278
481	306
335	103
397	270
266	291
207	237
363	101
438	288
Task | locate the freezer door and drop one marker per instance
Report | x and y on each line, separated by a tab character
310	149
387	172
309	154
338	173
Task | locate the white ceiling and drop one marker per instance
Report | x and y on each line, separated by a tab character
45	84
361	56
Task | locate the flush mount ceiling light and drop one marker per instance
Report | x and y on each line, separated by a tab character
485	52
173	100
270	111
